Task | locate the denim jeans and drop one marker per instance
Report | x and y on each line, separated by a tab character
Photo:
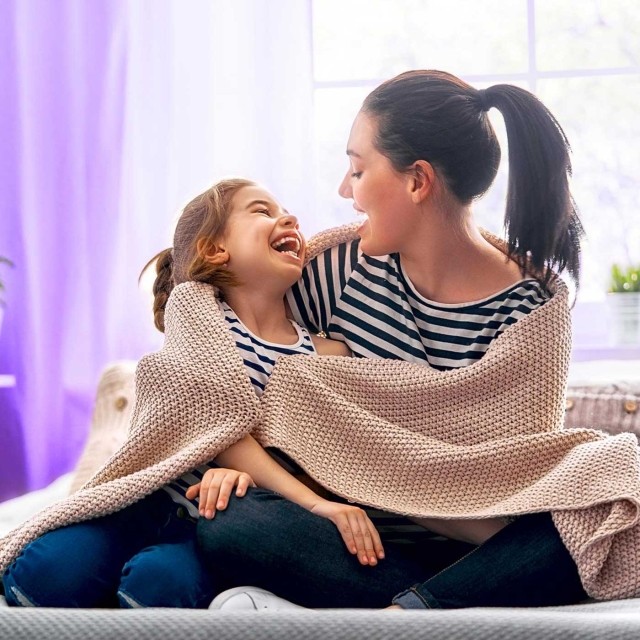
144	555
264	540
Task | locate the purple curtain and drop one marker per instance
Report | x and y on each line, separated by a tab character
113	114
61	94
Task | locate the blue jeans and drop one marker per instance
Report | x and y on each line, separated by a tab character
144	555
264	540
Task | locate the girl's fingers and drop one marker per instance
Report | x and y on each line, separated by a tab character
244	482
226	487
216	487
193	491
209	498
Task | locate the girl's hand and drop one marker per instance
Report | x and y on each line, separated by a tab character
215	489
355	527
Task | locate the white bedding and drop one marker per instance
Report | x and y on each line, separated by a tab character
16	511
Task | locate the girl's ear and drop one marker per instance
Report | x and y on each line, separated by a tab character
422	180
213	253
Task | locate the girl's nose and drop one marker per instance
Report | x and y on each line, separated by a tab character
345	187
289	220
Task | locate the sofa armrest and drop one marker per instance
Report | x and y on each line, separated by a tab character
604	395
112	411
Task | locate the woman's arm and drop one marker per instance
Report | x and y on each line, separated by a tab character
248	456
471	531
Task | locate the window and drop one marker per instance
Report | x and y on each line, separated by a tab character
581	57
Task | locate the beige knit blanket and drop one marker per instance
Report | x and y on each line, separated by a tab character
485	440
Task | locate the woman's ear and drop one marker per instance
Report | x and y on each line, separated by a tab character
213	253
422	182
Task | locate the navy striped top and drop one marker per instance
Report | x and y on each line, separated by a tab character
259	357
372	306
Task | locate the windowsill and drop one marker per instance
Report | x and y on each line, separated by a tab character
594	334
582	353
615	372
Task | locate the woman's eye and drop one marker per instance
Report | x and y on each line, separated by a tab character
356	174
264	212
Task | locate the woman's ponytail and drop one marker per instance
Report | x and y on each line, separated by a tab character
541	218
432	115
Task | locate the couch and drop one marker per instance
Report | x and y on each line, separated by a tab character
604	395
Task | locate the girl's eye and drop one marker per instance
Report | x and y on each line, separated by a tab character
264	211
356	174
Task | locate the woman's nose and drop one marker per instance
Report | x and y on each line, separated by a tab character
345	187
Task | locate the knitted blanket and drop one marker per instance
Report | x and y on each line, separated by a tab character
482	441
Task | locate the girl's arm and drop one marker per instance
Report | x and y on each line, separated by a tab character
248	456
327	347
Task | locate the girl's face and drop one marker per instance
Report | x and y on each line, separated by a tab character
378	191
263	240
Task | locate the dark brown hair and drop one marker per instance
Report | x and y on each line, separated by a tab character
434	116
201	224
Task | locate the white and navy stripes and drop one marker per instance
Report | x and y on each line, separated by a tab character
259	357
371	305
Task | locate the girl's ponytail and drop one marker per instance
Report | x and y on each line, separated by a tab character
541	218
162	286
201	223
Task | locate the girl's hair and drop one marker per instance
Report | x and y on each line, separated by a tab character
201	225
434	116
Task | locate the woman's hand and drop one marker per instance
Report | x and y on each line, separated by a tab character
215	489
355	527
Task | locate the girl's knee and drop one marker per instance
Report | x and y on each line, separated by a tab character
14	594
33	580
168	575
50	573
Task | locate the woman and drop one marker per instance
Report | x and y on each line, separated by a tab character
422	283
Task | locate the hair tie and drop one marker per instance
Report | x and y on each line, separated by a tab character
484	99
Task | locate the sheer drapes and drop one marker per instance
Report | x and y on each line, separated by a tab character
113	114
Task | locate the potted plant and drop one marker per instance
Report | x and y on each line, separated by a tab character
624	300
8	262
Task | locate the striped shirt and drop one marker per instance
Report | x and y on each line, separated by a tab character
259	357
371	305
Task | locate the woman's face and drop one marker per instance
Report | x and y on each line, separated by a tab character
378	191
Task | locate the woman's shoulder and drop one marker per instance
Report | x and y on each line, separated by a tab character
330	238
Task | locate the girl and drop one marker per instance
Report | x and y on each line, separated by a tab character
236	237
422	283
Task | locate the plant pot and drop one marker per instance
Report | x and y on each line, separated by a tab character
625	318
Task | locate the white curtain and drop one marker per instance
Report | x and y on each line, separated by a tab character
213	89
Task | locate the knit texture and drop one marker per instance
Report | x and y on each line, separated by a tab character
481	441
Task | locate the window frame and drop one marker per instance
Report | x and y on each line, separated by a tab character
591	343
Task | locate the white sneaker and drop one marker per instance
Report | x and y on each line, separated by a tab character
250	599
